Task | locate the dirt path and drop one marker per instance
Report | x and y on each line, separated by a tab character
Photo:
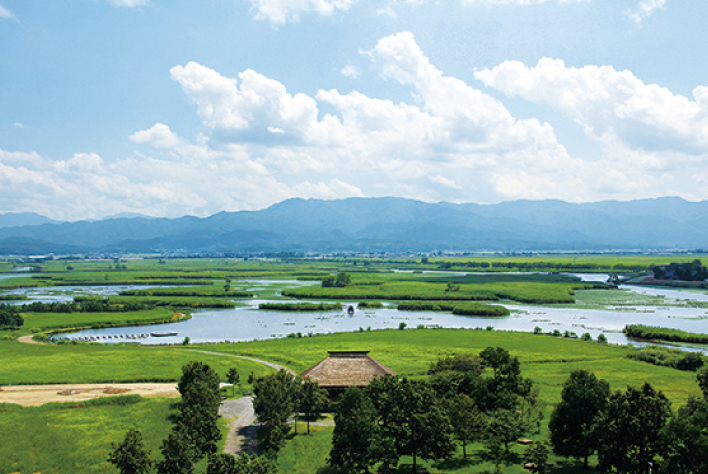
36	395
264	362
29	340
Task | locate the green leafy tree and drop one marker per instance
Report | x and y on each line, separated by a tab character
343	280
179	455
575	422
538	454
357	441
274	398
468	423
506	427
313	400
244	464
703	382
412	417
199	408
631	434
130	456
686	440
233	378
10	317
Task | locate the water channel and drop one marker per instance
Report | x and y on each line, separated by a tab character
247	323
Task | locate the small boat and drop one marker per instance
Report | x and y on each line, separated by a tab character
350	310
163	334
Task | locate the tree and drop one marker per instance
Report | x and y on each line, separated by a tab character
233	378
130	457
244	464
703	382
575	422
468	423
178	453
274	402
357	441
632	425
686	440
537	454
411	416
501	390
199	408
10	318
343	280
313	400
505	427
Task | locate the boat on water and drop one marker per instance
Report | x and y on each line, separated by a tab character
163	334
350	310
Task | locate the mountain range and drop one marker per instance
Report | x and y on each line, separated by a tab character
377	225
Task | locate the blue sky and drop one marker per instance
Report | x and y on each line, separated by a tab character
174	107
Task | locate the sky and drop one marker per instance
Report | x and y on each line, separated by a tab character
192	107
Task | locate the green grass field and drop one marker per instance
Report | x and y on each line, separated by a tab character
57	438
92	363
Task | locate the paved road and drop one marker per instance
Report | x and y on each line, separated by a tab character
242	426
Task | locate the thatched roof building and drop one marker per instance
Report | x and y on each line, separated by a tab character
344	369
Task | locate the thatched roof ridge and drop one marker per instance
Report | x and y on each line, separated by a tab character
346	369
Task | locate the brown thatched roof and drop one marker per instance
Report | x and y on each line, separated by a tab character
346	369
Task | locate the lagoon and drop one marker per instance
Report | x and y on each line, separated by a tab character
247	323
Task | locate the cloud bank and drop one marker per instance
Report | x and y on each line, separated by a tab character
261	143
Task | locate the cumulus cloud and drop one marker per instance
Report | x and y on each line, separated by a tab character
614	107
644	9
159	136
279	12
7	14
261	143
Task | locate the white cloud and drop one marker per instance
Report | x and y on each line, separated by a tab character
279	12
644	9
159	136
261	143
7	14
349	71
129	3
614	107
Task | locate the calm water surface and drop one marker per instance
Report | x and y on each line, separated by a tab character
248	323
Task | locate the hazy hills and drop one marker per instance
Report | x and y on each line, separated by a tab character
378	224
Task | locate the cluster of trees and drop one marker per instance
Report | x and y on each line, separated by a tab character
276	398
692	271
300	306
632	431
10	317
466	399
87	305
340	281
193	436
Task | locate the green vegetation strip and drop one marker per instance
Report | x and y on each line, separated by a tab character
300	307
641	331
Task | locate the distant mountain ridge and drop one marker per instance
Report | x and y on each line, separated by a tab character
16	219
384	225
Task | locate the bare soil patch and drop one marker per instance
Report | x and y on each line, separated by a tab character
36	395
